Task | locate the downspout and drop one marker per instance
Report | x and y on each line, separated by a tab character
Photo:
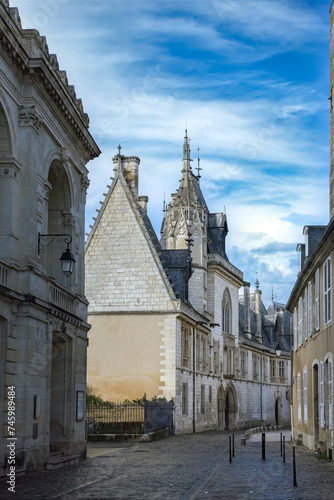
194	392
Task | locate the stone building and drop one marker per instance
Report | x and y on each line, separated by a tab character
311	303
164	314
44	148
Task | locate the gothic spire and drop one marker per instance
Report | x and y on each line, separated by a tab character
186	153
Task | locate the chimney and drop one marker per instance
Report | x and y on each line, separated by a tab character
247	328
143	200
129	166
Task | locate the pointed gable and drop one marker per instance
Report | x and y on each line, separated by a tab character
123	269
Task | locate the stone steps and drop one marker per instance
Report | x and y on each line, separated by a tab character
59	460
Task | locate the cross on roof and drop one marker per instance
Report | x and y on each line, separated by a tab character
119	149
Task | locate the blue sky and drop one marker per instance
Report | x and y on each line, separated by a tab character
248	78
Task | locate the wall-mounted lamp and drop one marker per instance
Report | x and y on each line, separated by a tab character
67	259
278	350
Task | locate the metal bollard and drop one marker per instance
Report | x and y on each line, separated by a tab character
263	445
281	443
230	448
283	449
294	466
233	445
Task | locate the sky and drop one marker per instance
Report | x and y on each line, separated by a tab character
249	80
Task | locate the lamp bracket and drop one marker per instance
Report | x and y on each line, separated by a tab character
44	240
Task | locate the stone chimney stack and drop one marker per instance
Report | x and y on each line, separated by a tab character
247	328
258	294
129	166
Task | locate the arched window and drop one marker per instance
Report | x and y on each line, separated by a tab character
227	313
59	218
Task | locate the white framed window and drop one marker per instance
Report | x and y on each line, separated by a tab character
185	346
281	369
322	395
327	277
299	399
305	395
316	300
310	309
300	320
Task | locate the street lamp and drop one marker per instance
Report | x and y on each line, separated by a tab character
67	259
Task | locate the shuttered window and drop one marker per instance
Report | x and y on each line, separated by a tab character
316	301
310	309
305	395
299	398
327	291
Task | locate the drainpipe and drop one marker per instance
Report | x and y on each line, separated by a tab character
194	377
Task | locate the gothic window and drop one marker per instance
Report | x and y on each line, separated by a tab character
327	291
281	369
273	369
243	362
210	394
184	399
226	313
305	395
185	346
216	357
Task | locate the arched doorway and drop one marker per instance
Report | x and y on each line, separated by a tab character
230	408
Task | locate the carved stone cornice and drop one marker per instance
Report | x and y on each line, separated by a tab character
29	53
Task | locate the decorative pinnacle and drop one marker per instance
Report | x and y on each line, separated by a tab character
257	283
119	149
198	160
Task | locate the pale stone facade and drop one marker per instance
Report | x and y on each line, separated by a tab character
44	147
311	302
165	315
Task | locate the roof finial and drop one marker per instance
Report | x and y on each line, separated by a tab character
272	294
198	160
119	149
257	283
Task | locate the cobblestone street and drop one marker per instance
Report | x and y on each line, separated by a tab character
184	467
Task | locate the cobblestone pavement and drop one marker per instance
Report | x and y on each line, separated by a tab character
186	467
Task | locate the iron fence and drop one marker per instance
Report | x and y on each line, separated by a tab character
136	418
118	418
